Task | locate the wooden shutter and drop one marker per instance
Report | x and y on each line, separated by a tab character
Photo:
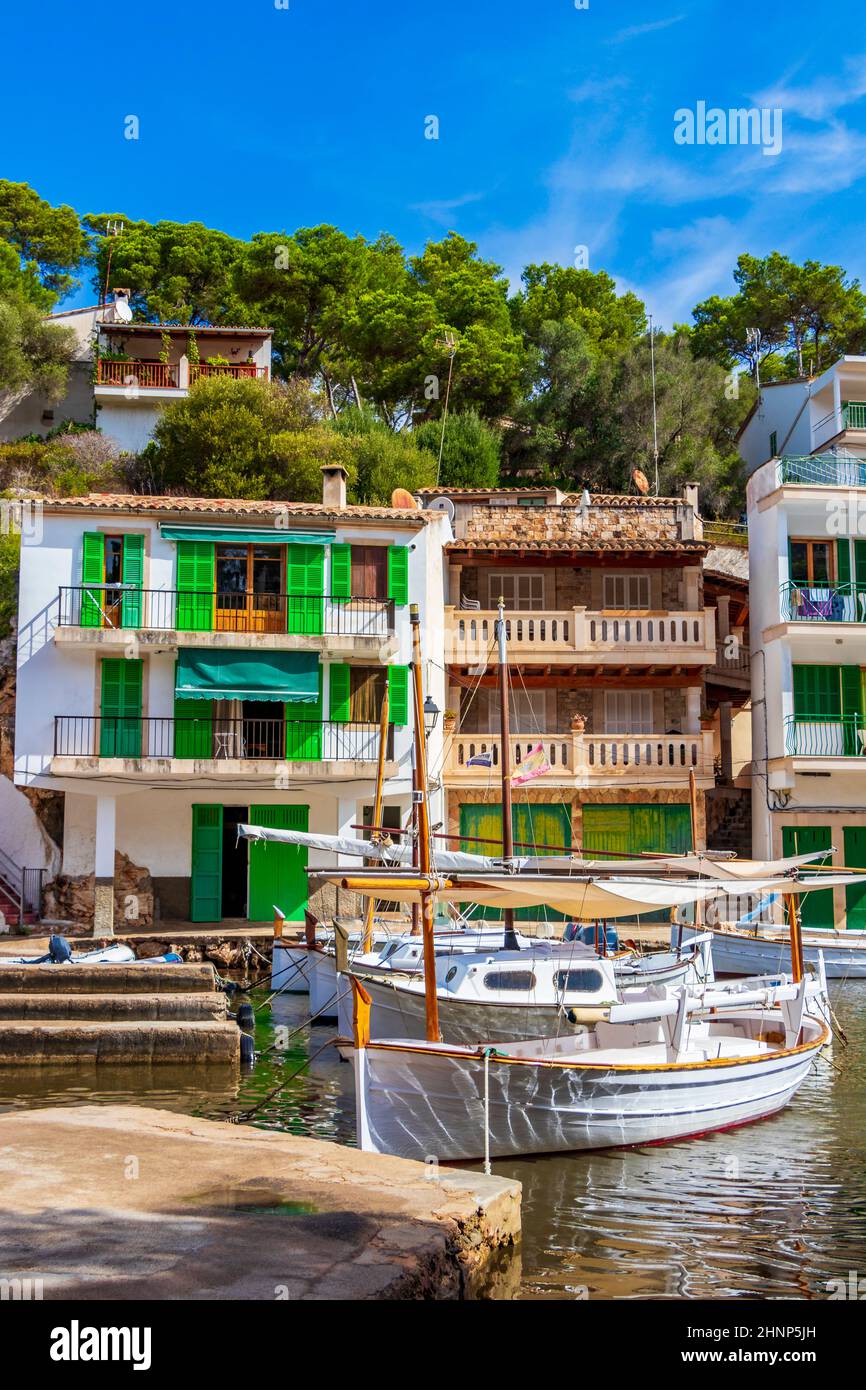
120	709
339	701
305	587
193	729
196	567
843	561
860	580
816	909
398	694
341	570
855	895
277	872
304	730
398	573
133	573
206	895
92	572
817	692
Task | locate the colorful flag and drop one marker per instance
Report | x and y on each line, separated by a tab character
534	765
480	760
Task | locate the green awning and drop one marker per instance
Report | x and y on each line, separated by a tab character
246	535
210	674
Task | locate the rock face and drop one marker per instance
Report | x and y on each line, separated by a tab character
72	899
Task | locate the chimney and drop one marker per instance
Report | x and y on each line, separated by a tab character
334	478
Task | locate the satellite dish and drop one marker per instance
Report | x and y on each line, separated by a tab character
122	311
403	500
442	504
640	481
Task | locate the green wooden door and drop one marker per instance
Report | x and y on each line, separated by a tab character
133	573
816	909
120	708
278	872
304	730
640	829
196	570
533	823
193	729
206	881
305	588
92	572
855	858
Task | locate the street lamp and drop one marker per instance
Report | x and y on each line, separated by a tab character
431	714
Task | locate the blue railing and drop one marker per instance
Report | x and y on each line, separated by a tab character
823	603
825	735
822	470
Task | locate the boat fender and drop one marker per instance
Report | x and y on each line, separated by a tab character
245	1015
59	950
248	1049
588	1015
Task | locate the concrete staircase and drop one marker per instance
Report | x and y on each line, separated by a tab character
145	1014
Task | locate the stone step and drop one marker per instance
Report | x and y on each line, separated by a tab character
59	1043
115	1008
107	979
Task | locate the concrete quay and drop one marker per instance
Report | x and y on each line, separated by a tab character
121	1202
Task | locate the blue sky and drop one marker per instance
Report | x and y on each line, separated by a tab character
556	125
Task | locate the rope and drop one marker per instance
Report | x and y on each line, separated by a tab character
244	1116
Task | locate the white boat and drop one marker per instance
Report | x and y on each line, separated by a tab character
619	1084
117	954
742	952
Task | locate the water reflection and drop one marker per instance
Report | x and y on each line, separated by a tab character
772	1210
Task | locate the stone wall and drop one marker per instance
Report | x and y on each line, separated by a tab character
606	519
73	899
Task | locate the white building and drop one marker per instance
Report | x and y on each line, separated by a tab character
124	373
798	419
807	554
186	664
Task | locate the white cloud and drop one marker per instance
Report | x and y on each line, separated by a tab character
823	98
442	210
637	31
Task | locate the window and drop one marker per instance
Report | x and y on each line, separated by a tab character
532	501
580	981
369	571
527	711
774	445
521	592
811	562
366	693
509	979
628	712
249	588
626	591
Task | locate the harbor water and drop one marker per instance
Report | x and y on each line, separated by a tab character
773	1210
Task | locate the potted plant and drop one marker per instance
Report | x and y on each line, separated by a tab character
449	721
578	722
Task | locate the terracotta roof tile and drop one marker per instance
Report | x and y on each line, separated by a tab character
581	547
222	506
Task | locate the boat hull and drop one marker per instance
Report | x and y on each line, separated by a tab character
429	1103
736	953
400	1013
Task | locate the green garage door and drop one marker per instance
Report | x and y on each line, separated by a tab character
278	872
855	858
532	824
640	829
816	909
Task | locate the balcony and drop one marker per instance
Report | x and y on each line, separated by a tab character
851	416
142	374
823	603
586	760
825	736
98	616
733	664
208	746
822	470
579	637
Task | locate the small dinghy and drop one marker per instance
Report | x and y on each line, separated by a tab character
61	953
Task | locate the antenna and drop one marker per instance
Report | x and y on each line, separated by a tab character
754	338
113	230
655	411
450	342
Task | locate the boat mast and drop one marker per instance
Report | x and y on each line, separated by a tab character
510	938
424	856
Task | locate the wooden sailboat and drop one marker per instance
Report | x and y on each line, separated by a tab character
661	1068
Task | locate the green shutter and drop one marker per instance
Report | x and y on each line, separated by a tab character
855	895
341	571
278	872
193	729
304	730
196	568
817	691
133	573
339	701
398	694
92	572
860	580
852	709
816	909
398	573
305	587
843	561
206	895
120	708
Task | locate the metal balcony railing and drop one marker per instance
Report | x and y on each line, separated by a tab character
825	735
209	738
822	470
823	603
182	610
